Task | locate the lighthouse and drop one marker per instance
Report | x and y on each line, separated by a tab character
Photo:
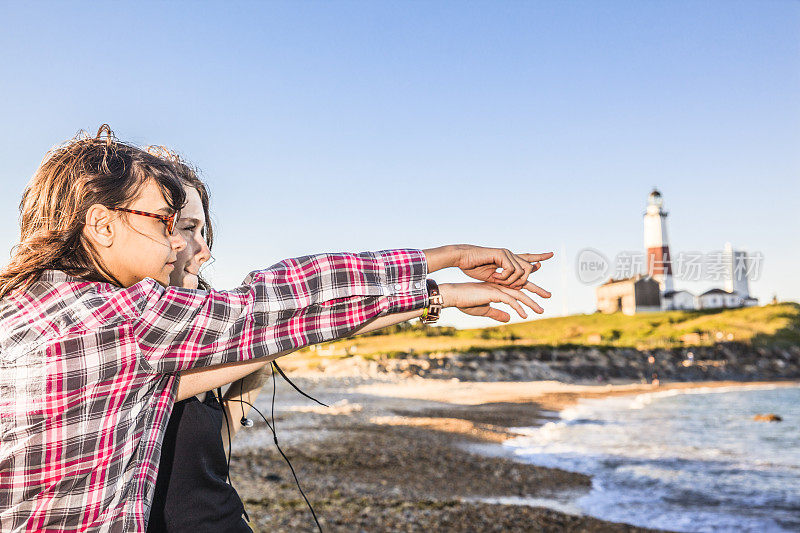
659	264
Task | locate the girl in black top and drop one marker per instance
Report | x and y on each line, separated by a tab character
192	493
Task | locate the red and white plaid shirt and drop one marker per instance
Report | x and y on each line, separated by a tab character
88	371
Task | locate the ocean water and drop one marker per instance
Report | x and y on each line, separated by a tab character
691	460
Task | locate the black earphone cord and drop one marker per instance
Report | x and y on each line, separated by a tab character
248	423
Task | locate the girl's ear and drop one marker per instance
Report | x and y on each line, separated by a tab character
99	227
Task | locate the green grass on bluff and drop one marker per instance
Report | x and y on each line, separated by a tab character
775	324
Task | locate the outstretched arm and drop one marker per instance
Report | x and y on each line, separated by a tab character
475	261
199	380
292	304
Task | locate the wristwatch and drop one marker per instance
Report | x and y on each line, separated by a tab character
435	302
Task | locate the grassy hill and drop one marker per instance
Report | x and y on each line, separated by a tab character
775	324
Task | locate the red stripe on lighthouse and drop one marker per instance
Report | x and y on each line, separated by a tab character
658	260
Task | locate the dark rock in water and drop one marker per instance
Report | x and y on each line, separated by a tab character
771	417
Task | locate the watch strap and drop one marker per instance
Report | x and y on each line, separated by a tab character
435	303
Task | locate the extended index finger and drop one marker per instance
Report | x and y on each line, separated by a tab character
535	257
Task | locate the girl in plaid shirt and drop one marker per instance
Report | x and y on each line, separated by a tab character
92	338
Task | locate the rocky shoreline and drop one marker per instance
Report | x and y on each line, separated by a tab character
576	364
413	454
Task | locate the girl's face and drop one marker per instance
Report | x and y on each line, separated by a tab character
190	226
141	246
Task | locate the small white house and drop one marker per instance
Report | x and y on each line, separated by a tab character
678	300
719	298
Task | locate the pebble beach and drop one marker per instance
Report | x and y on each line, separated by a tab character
413	454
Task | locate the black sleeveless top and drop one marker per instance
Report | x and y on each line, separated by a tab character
191	491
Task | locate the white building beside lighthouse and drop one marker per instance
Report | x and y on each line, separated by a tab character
737	274
737	284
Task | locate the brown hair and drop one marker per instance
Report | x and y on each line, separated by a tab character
188	175
72	177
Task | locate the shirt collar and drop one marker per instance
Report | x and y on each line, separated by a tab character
58	276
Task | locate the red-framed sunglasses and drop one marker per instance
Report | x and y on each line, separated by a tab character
168	220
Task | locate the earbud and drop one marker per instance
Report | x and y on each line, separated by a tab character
246	422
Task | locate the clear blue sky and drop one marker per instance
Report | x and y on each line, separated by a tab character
331	126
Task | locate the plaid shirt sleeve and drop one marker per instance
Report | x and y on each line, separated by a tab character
291	304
